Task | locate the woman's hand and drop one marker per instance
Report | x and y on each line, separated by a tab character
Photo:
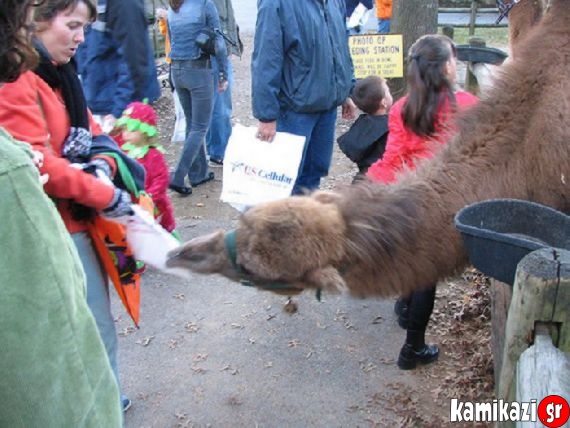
38	159
120	206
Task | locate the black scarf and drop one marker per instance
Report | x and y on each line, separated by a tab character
77	144
64	77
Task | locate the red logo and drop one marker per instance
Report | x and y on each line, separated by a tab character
553	411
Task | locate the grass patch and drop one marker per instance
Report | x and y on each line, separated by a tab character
498	37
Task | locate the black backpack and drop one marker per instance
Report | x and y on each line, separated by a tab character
206	38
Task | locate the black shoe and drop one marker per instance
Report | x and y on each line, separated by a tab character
209	177
409	358
216	162
181	190
401	309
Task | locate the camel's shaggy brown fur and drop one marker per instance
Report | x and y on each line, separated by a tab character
524	15
397	238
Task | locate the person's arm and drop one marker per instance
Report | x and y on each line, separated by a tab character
222	8
213	21
266	69
125	91
25	119
158	176
127	23
385	169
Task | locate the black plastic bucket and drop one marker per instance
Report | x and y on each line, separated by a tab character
498	233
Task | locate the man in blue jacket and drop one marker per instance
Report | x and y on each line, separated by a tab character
301	72
116	61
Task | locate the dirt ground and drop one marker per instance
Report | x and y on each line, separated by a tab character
212	353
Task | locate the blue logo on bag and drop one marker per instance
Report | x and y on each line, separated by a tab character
261	173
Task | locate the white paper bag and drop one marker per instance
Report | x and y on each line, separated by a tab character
258	171
150	242
359	17
179	133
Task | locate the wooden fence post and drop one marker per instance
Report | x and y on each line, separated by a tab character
473	17
501	296
541	293
542	370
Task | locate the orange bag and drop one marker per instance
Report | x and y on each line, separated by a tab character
110	241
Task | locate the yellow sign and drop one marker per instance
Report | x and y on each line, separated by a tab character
377	54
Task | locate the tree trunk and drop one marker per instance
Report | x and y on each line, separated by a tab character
412	19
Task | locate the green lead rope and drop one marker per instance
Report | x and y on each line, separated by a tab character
231	247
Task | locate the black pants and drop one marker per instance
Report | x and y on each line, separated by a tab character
420	307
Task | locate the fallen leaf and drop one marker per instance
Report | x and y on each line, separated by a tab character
144	341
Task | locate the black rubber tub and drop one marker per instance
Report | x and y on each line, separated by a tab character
498	233
480	54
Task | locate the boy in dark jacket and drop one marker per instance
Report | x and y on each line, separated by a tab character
364	143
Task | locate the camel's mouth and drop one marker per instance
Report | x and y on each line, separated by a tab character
177	258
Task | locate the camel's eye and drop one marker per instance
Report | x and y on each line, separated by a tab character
194	257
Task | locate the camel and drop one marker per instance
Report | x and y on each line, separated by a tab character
378	240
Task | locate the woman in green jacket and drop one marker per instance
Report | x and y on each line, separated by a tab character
54	371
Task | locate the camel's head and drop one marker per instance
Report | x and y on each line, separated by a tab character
204	254
298	241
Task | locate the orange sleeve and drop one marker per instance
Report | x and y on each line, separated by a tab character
39	125
384	9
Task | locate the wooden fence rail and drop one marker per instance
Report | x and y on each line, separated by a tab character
473	12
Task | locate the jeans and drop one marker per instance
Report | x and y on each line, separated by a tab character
194	85
221	123
318	129
383	26
98	298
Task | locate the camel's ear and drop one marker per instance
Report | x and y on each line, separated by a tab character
204	254
326	197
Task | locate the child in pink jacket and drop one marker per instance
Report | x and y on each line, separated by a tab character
136	133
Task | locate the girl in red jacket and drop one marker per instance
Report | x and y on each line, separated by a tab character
419	124
136	132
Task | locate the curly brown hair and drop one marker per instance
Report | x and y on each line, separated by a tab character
16	53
